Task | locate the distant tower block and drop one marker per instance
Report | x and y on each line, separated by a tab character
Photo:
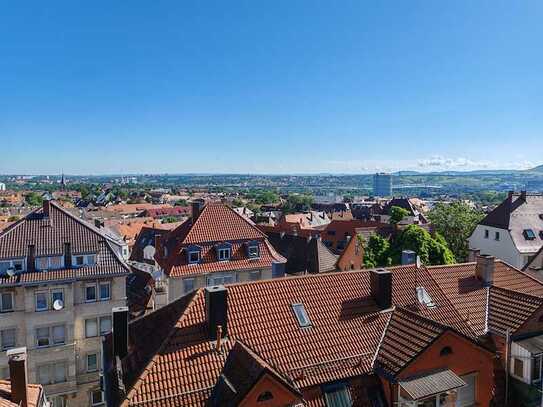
382	184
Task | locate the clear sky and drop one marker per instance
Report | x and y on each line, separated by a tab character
269	86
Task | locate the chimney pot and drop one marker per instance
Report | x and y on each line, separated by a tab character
196	206
484	269
216	309
381	287
17	374
120	331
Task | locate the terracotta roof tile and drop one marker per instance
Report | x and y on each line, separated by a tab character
34	394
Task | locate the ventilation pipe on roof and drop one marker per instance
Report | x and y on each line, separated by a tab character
216	309
484	269
17	374
381	287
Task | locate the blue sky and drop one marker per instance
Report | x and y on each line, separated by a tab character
269	87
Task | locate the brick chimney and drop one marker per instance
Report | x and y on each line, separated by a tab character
484	269
381	287
46	206
216	309
197	206
17	374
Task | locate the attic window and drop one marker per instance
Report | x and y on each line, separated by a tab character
424	298
194	254
301	315
253	250
529	234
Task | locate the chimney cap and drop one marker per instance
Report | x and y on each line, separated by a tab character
16	353
119	309
215	288
381	271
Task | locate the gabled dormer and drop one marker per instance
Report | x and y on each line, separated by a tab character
194	254
252	249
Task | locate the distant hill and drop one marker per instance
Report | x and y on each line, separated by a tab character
537	169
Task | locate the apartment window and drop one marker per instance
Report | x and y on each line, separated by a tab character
497	236
487	233
105	325
224	253
6	302
82	260
301	315
253	250
518	367
90	293
220	279
91	327
337	395
93	324
41	301
105	291
194	253
8	337
15	264
79	261
57	401
188	285
48	336
255	275
57	295
91	260
52	373
49	263
92	362
97	397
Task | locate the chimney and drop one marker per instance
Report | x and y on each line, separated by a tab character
408	257
46	206
523	195
120	331
158	237
484	269
197	206
17	374
381	287
31	258
216	309
67	255
473	254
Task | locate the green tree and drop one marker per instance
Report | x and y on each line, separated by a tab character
455	222
14	218
33	199
237	202
298	202
397	213
376	252
431	250
266	197
181	202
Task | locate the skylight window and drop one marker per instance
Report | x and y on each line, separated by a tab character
424	298
529	234
301	315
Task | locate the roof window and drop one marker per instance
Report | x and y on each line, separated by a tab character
301	315
424	298
253	251
194	254
224	251
529	234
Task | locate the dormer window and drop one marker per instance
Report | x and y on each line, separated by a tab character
49	262
529	234
16	265
224	251
253	250
82	260
194	254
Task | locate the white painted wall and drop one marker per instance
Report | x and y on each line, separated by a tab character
503	249
518	352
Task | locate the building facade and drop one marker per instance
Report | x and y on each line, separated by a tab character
382	184
59	279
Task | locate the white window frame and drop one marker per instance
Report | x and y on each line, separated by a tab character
51	372
11	264
2	305
90	320
91	285
50	336
49	261
253	251
92	403
224	253
87	260
198	254
214	279
98	321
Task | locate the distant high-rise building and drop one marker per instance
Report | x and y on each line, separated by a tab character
382	184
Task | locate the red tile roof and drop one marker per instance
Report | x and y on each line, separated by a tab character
216	223
346	331
34	394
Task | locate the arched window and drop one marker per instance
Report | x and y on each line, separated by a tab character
265	396
447	350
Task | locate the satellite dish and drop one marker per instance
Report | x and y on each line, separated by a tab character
58	305
11	272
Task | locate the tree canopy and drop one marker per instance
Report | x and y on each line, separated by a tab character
431	250
377	252
455	222
397	213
